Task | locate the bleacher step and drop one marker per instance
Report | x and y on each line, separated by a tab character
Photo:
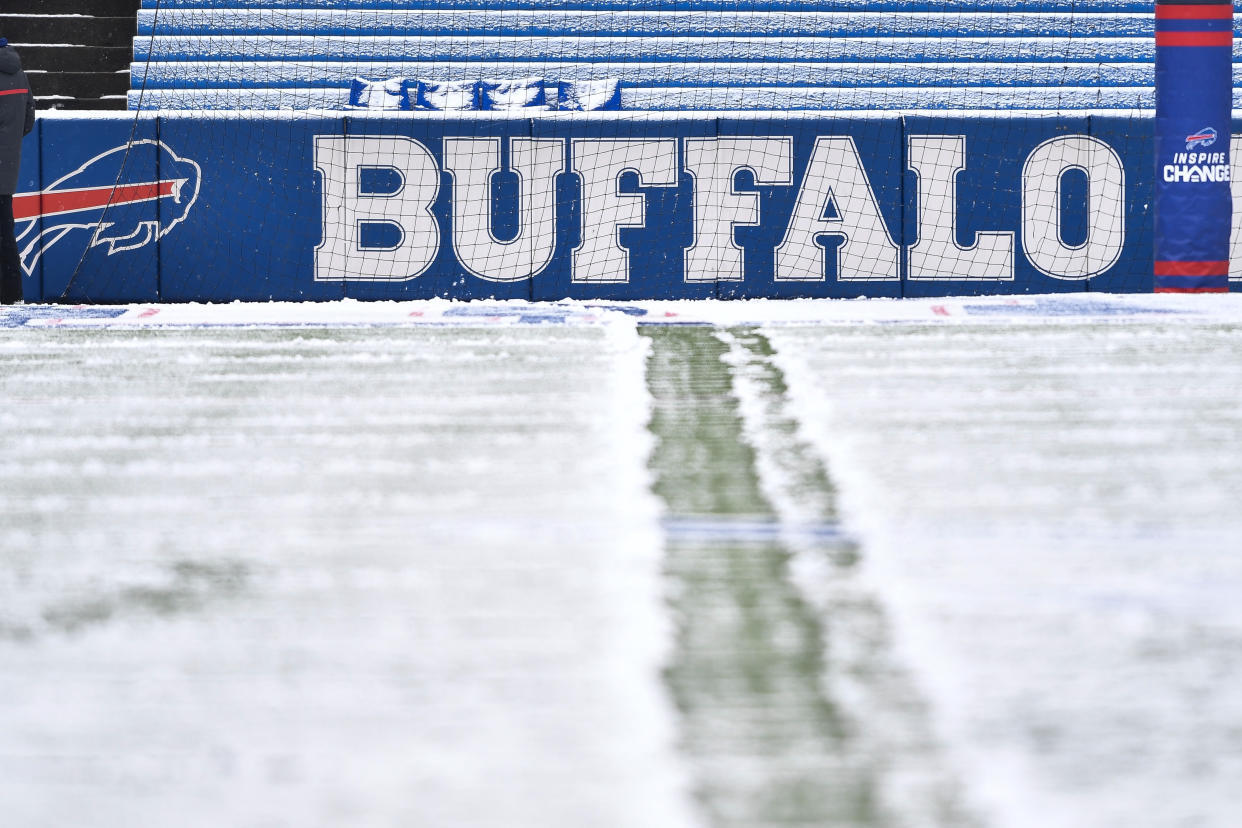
268	74
731	99
956	6
668	55
937	49
547	23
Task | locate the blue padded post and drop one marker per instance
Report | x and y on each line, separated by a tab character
1194	89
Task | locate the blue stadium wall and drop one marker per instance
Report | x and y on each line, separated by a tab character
229	207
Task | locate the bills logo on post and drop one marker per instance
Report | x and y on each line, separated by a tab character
1192	167
125	212
1203	138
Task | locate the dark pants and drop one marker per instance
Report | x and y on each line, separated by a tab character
10	261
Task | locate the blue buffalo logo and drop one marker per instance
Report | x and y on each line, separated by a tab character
114	197
1203	138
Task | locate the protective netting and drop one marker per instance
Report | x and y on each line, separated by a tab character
661	55
627	148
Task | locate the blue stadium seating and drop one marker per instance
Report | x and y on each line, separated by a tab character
836	55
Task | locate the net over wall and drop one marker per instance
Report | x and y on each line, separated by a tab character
607	149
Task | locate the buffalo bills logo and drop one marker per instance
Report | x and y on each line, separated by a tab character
152	194
1203	138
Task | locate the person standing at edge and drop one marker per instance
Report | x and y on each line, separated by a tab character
17	116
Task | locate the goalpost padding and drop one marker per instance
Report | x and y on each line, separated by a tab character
1194	89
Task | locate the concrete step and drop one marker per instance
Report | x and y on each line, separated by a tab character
79	84
91	8
113	102
80	31
76	58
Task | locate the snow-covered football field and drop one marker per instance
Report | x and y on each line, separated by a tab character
972	563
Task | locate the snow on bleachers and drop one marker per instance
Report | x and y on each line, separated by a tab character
712	98
682	5
667	54
235	74
698	49
581	22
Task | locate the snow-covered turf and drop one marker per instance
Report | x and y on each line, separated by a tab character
331	577
1052	514
869	563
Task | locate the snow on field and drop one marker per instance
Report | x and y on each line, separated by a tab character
1051	511
917	563
331	577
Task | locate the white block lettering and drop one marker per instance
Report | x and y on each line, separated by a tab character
599	257
406	210
937	160
473	162
719	207
835	178
1041	207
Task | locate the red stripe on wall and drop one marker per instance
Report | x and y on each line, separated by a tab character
32	205
1217	12
1192	268
1194	38
25	206
1192	290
